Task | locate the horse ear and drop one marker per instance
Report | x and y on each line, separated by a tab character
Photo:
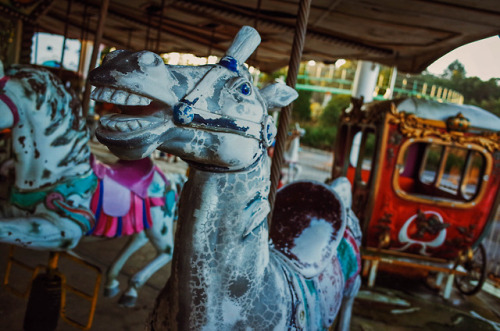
278	95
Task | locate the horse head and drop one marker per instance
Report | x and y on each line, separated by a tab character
49	134
198	113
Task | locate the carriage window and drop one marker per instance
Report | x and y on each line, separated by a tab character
453	169
430	167
440	172
470	187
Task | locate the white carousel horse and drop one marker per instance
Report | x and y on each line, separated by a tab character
49	206
225	273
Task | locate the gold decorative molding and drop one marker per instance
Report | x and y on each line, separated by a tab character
412	126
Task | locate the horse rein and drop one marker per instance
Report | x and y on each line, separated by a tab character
7	100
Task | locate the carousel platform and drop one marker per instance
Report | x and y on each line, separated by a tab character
400	300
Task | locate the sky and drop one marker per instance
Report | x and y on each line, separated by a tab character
480	58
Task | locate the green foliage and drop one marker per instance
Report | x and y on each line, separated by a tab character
302	106
319	136
484	94
333	110
455	70
322	134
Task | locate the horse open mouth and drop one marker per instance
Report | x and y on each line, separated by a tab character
137	113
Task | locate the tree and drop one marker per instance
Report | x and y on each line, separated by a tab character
333	110
455	70
302	106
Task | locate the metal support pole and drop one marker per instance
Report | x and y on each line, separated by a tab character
392	83
66	25
365	80
95	53
291	80
158	32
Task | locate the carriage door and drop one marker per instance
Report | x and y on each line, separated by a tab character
361	160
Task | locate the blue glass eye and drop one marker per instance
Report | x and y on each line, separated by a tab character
245	89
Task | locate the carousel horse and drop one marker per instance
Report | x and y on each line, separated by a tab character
61	194
226	274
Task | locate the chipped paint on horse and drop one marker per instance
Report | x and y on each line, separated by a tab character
49	203
225	273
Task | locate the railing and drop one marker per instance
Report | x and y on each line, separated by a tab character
403	87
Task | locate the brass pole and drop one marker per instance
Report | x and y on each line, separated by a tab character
95	53
291	80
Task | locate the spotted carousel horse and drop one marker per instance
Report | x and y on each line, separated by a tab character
226	274
61	194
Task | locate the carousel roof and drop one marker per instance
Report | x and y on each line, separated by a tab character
409	34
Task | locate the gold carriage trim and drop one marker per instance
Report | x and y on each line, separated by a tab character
412	126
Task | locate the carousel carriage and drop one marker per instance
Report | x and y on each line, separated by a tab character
426	179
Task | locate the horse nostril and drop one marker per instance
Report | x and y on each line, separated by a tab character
183	113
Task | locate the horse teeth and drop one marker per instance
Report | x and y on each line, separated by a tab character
121	126
133	99
133	125
143	123
96	93
106	94
119	97
143	101
104	120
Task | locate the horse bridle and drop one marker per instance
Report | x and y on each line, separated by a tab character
7	100
187	115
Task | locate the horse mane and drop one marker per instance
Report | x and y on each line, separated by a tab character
58	103
50	94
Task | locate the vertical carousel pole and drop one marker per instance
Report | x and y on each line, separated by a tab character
95	52
365	80
392	83
158	33
65	38
291	80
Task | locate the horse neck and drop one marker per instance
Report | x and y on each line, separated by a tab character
216	210
39	161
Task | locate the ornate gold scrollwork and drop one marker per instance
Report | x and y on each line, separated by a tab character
413	127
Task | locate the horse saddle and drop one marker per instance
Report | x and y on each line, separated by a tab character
120	179
308	224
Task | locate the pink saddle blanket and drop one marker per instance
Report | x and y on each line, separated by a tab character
121	204
134	175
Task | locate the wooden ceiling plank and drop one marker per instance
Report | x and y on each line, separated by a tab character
436	10
403	17
277	26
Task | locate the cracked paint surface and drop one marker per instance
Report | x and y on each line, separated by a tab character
226	275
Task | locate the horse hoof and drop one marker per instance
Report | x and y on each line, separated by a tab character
110	292
127	301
